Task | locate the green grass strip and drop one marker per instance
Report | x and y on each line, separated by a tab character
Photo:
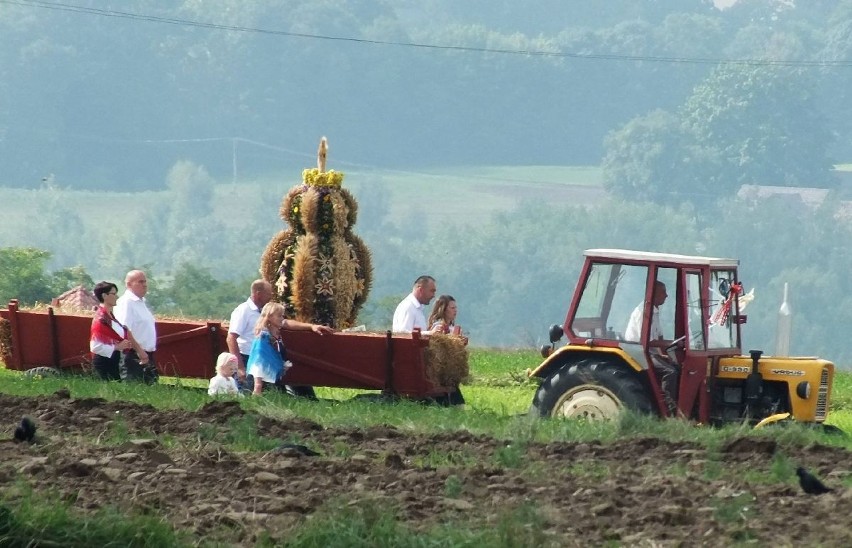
31	519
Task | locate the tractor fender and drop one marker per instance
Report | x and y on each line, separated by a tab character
574	352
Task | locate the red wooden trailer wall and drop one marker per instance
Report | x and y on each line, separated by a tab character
44	338
373	361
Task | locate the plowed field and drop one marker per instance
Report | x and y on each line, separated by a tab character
634	492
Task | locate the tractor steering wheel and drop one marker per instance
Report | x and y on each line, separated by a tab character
675	343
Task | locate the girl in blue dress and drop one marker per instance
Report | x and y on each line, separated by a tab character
267	359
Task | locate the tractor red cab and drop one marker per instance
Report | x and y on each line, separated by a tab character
660	333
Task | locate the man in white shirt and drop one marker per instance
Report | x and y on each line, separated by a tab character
667	372
409	313
241	327
633	332
132	311
241	336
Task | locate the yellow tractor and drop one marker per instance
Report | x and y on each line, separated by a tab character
660	334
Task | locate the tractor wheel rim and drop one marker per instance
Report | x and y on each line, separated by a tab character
588	402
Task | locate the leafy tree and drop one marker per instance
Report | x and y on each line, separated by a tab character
64	279
653	158
22	275
191	227
59	228
192	190
194	292
764	124
743	125
837	47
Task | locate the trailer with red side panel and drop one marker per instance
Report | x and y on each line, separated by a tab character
394	363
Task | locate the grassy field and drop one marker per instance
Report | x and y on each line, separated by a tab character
498	397
478	192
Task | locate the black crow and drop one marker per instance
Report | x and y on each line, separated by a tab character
26	430
810	484
294	449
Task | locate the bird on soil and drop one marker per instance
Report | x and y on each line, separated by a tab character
810	483
294	449
25	431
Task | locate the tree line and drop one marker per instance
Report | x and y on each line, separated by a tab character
240	86
514	274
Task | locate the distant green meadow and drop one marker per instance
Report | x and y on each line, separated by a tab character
477	192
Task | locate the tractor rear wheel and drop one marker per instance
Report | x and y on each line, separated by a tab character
590	389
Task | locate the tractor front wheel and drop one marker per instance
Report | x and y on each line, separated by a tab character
592	390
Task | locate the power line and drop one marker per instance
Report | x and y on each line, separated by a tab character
467	49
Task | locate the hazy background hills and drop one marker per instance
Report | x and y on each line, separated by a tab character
487	142
112	99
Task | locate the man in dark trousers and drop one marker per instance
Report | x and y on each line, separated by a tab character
132	310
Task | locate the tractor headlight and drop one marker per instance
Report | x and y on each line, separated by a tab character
546	350
803	390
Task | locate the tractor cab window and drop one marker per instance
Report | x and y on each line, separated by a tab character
722	309
666	309
609	296
659	310
694	311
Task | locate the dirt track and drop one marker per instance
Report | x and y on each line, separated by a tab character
636	492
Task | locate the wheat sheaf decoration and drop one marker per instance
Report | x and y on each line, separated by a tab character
446	360
320	269
5	340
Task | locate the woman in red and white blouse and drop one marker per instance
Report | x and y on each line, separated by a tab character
109	338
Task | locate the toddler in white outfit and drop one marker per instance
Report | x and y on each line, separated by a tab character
224	382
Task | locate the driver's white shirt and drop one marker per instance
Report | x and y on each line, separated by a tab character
633	333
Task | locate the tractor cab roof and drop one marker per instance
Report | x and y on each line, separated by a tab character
668	259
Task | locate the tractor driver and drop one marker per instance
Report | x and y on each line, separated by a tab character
666	371
634	326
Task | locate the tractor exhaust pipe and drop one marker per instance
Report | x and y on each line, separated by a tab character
784	331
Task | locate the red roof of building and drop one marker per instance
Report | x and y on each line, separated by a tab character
76	298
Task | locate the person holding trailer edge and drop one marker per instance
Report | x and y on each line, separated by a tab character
443	320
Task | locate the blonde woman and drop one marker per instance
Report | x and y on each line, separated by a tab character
267	359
